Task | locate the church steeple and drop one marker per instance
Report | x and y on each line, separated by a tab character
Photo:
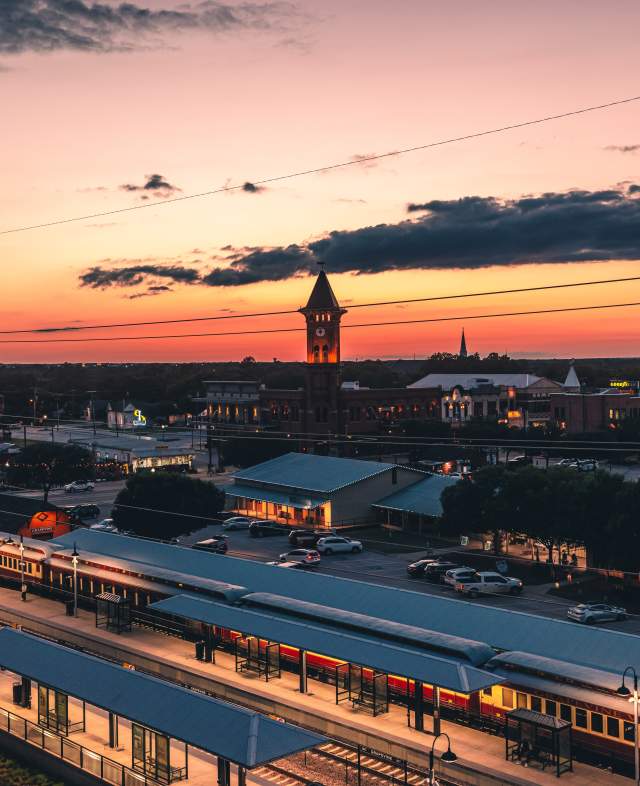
463	346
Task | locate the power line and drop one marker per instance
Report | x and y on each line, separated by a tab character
326	168
76	328
298	330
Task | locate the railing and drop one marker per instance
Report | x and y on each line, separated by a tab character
71	752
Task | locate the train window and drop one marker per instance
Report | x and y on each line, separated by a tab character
507	697
581	718
565	712
628	732
536	704
521	700
550	707
596	722
613	727
487	692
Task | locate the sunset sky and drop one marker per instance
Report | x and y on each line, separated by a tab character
107	107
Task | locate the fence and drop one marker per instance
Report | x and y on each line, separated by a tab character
71	752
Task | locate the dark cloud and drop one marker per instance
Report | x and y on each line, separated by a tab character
469	233
157	185
151	292
50	25
624	148
99	277
252	188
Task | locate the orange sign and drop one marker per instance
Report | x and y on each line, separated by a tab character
46	525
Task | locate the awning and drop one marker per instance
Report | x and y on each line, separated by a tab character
242	736
363	650
269	495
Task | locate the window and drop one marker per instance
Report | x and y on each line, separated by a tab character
507	697
581	718
613	727
487	692
565	712
628	732
521	700
536	704
596	722
550	707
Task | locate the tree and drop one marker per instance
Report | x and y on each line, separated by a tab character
45	465
149	502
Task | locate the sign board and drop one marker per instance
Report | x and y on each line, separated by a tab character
624	384
501	566
464	540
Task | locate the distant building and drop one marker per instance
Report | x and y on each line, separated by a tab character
128	418
520	400
580	413
129	455
463	346
303	489
232	401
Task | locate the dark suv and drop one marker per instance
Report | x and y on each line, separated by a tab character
84	512
308	537
264	529
417	569
436	570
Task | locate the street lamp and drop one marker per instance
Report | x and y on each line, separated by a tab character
74	562
23	586
624	691
447	756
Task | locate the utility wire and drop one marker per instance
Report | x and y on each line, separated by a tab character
301	329
326	168
75	328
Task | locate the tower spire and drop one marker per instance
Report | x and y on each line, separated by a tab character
463	346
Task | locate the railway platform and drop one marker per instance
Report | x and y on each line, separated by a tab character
481	757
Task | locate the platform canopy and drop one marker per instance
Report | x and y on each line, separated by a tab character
364	650
242	736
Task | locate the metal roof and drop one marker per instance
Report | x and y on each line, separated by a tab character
501	628
585	675
471	380
475	652
310	472
422	497
363	650
269	495
243	736
538	719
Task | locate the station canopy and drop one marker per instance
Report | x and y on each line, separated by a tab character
363	650
226	730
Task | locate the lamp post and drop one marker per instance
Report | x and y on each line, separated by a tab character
624	691
448	755
74	562
23	586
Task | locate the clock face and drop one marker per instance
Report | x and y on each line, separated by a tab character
320	331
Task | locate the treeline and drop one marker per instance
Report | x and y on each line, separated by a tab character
556	507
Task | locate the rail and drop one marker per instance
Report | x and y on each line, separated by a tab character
71	752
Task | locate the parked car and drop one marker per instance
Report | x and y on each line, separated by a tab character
436	570
518	461
455	575
237	522
587	465
566	462
307	557
335	544
84	512
308	537
588	613
489	583
263	529
106	525
416	569
217	545
79	485
292	565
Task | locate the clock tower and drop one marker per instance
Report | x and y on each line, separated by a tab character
322	383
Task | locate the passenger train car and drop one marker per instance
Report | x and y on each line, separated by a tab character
602	721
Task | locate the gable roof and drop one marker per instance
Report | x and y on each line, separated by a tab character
472	379
311	472
322	295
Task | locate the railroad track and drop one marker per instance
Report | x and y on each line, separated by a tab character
376	768
279	776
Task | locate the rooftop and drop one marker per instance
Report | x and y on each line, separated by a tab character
242	736
471	380
322	296
422	497
308	471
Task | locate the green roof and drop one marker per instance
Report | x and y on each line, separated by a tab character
422	497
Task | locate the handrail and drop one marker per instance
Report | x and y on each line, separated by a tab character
71	752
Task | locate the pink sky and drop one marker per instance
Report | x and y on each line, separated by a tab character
327	82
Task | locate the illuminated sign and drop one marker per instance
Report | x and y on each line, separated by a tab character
624	384
138	418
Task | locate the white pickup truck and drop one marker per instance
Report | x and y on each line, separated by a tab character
488	583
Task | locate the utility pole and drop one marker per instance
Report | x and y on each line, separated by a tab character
92	411
25	436
210	449
35	403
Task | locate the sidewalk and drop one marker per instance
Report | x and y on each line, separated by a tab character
472	747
